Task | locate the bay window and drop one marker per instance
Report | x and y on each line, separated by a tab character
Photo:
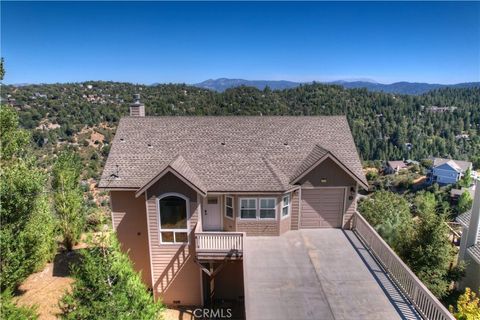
267	208
258	208
285	205
248	208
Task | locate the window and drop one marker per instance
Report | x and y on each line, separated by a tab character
267	208
285	205
248	208
229	207
173	219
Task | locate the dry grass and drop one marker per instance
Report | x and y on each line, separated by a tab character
45	288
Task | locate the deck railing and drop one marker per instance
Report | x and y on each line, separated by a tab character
422	299
219	241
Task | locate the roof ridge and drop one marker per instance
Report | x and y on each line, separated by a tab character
278	175
312	157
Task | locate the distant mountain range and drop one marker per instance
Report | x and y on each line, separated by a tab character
413	88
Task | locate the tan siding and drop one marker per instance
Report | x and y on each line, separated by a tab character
130	222
285	224
322	208
350	207
258	227
329	170
176	275
295	209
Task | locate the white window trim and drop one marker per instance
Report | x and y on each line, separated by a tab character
160	230
240	209
257	208
227	206
274	208
283	206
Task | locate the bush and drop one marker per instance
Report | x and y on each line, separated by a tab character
468	306
27	234
68	198
465	202
431	251
106	286
10	311
390	215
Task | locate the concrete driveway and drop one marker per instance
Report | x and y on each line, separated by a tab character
317	274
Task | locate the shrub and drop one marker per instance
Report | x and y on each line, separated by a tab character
107	287
27	233
390	215
430	251
465	202
10	311
468	306
68	198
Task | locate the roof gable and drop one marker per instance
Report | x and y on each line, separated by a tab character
459	164
179	167
450	165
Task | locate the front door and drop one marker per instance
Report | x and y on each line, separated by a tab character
212	219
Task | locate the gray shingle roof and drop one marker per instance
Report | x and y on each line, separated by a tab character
226	153
462	165
474	251
464	218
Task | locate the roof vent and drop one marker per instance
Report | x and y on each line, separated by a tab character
223	142
137	109
149	145
122	140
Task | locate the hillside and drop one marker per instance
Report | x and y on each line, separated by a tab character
412	88
443	122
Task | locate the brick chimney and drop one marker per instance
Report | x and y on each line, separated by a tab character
137	109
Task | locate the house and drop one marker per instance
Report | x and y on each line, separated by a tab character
248	209
470	244
447	171
394	167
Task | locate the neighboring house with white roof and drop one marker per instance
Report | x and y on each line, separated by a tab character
448	171
470	244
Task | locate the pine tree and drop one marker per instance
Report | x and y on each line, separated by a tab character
107	287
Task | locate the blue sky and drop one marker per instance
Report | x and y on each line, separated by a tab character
152	42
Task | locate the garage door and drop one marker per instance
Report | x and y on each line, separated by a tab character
322	208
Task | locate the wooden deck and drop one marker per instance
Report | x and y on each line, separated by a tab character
218	245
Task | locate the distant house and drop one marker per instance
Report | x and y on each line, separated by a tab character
456	193
394	167
447	171
470	244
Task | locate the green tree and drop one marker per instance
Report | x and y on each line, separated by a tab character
390	215
465	202
107	287
27	228
2	69
430	251
467	179
468	306
68	198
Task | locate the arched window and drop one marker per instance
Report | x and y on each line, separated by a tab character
173	211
